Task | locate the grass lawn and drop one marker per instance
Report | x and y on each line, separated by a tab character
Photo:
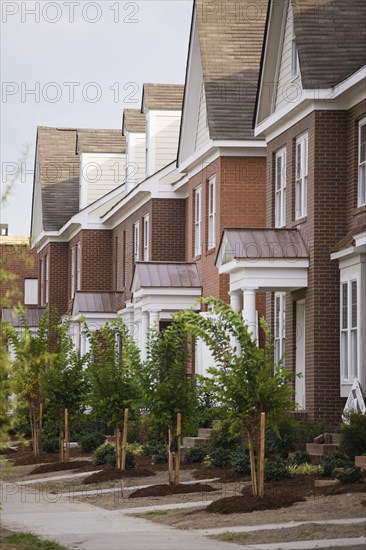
27	541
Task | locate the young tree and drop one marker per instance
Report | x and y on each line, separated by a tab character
168	390
247	384
65	385
113	368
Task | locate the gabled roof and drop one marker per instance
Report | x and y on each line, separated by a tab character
32	316
166	275
133	121
331	40
97	302
59	166
349	239
230	39
163	97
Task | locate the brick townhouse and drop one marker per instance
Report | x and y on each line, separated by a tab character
311	258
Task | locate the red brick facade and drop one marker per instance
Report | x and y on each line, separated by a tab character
18	260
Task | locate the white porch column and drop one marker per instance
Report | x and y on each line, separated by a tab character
144	328
154	318
235	302
249	310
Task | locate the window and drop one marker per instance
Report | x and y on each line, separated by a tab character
301	182
197	220
349	331
47	275
136	241
78	267
362	162
42	281
280	189
211	213
72	272
294	54
279	326
146	239
124	259
30	291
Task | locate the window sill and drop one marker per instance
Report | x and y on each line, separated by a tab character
211	251
359	209
295	223
196	258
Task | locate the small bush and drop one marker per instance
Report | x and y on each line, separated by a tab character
350	475
240	462
218	458
193	455
160	455
274	471
135	449
334	460
50	443
222	438
90	442
304	469
300	457
105	454
353	435
130	459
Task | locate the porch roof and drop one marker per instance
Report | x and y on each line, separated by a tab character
97	302
165	275
31	316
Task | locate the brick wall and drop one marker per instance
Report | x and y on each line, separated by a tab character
20	261
57	254
355	216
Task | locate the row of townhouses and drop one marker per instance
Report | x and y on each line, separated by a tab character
248	183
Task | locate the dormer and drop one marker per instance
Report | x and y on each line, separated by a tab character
134	129
162	105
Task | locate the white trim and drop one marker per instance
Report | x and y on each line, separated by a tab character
47	277
136	241
279	326
211	213
280	188
78	266
146	232
301	175
72	274
361	195
197	205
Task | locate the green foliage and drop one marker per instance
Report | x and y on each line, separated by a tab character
113	367
218	458
5	388
350	475
159	455
193	455
50	442
90	442
240	462
105	454
167	388
304	431
300	457
135	449
223	437
334	460
207	408
28	541
353	435
304	469
274	471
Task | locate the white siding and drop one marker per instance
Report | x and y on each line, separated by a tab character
166	140
100	174
202	135
136	157
289	87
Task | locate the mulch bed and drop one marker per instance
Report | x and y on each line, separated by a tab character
112	474
225	475
24	456
59	466
280	494
166	490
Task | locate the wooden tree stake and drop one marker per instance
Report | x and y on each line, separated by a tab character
253	471
67	436
177	455
170	457
124	440
262	454
40	426
118	446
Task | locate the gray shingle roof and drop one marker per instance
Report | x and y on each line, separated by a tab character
166	97
167	275
231	38
133	121
331	39
59	165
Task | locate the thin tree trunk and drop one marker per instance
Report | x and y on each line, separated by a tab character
170	456
62	446
261	455
253	469
40	427
177	455
118	454
67	436
124	440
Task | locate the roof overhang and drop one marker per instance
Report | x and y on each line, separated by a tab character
358	247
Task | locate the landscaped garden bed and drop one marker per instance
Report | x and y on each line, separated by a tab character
165	490
60	466
110	474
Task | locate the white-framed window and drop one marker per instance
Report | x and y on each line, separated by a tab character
198	221
211	213
41	274
279	326
301	181
294	53
47	276
30	292
146	238
136	241
280	189
78	267
362	162
349	330
73	259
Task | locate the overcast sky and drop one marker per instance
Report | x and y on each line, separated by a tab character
104	50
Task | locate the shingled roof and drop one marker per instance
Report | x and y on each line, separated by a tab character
165	97
133	121
231	40
331	39
59	165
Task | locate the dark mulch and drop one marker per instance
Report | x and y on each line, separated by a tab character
225	475
24	456
166	490
59	466
280	494
112	474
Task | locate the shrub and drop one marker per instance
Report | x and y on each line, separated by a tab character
304	469
105	454
350	475
304	432
130	459
160	455
275	471
50	443
192	455
90	442
353	435
334	460
222	438
300	457
135	449
240	462
218	458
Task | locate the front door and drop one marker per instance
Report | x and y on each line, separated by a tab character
300	354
